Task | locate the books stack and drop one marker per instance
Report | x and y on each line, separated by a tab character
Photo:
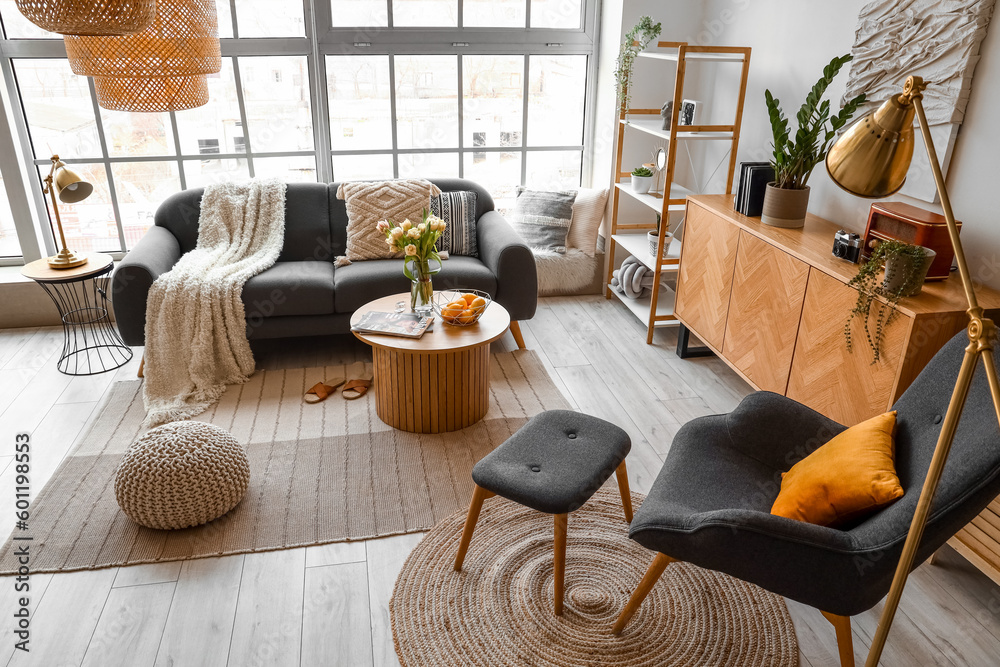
754	177
407	325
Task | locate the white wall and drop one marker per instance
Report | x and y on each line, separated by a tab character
792	41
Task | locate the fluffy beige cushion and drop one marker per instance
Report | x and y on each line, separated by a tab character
588	212
369	202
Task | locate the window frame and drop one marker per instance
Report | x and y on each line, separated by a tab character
320	40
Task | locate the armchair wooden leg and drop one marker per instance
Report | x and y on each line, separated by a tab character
515	330
478	496
659	564
559	560
845	640
622	474
142	365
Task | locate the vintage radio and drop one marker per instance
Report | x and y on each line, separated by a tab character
896	220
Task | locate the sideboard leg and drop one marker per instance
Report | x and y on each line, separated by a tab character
685	352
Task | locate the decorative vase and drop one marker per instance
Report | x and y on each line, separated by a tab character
640	184
419	271
784	207
653	239
896	268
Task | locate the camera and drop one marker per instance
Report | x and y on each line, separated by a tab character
847	246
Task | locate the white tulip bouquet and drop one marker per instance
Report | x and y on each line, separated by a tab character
418	243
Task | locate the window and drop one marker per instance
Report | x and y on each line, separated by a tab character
394	92
9	246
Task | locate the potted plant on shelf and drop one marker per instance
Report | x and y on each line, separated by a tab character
653	240
787	198
642	178
635	40
905	267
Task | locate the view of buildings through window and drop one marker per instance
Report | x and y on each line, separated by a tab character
503	120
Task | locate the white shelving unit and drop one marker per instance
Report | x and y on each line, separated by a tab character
658	309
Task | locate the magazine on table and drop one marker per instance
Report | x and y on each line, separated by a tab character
407	325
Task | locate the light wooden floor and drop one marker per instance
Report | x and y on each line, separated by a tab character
328	605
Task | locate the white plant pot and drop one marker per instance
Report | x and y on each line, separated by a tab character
640	184
653	239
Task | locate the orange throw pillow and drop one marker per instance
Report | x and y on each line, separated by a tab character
850	476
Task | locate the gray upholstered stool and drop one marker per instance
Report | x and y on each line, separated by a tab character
553	464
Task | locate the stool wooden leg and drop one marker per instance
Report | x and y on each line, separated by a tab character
478	496
142	366
559	559
659	564
515	330
622	474
845	640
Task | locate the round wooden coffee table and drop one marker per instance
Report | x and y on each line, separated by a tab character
439	382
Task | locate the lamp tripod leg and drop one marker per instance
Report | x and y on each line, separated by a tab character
913	538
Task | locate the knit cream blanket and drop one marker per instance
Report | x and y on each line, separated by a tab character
196	341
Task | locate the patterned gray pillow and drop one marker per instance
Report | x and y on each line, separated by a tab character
543	218
458	210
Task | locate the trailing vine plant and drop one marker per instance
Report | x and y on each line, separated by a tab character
870	286
794	160
635	40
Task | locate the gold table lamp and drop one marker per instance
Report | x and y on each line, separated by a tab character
871	160
70	188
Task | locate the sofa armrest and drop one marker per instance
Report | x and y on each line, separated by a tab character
155	254
503	251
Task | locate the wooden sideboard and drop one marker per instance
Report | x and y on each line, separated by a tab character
772	304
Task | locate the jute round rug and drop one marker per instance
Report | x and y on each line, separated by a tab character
498	610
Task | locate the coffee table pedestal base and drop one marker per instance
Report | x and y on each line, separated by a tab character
432	392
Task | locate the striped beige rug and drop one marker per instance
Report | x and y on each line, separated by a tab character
320	473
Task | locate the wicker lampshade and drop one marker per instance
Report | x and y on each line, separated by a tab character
151	94
79	17
182	41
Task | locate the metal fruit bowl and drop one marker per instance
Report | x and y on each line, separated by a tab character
444	298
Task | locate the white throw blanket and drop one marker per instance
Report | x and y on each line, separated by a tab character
196	339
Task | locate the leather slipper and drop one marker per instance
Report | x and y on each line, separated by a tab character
357	387
321	390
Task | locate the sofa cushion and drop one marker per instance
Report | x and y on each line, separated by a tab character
290	288
361	282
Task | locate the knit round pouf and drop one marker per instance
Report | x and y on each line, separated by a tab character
182	474
498	610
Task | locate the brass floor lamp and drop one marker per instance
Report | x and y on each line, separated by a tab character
871	160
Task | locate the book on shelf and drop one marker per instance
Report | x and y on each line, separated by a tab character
407	325
754	177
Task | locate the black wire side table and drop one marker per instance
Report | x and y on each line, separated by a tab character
91	343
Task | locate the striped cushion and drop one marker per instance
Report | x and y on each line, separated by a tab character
542	218
458	210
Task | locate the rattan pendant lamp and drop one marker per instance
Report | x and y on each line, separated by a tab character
162	68
83	17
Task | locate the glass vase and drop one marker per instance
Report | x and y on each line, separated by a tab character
421	288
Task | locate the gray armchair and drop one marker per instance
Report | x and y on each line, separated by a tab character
710	504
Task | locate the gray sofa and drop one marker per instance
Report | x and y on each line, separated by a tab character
304	294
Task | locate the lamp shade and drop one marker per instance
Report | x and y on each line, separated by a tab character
70	187
151	94
183	40
82	17
872	157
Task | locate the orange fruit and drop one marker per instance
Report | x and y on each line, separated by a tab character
467	317
469	298
452	311
478	303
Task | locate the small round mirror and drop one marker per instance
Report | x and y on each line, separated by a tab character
661	158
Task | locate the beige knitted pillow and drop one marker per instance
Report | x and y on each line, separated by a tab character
369	202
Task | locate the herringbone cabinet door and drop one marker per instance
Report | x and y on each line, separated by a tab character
706	273
768	288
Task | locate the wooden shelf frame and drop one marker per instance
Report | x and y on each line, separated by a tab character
655	314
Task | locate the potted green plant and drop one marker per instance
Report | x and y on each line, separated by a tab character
895	269
787	197
642	178
635	40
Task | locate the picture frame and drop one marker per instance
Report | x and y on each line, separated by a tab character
689	112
